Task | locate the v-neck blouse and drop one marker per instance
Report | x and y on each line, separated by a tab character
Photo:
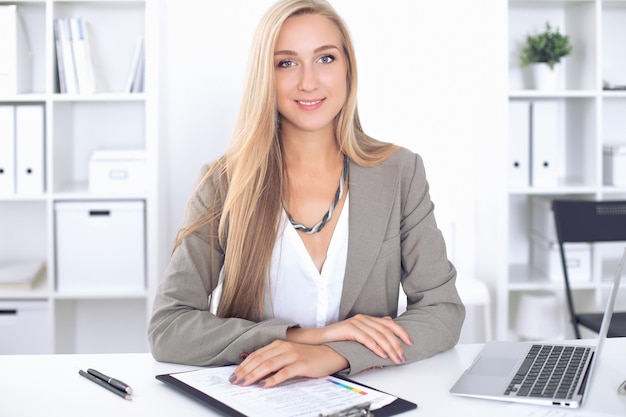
297	291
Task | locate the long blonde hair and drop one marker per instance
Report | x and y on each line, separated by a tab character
251	171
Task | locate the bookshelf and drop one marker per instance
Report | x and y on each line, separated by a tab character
586	118
75	126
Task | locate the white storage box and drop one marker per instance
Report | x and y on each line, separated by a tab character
117	172
100	246
546	258
614	162
25	327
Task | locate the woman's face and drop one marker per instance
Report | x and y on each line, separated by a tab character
311	70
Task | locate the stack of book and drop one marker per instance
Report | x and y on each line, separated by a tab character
20	275
74	58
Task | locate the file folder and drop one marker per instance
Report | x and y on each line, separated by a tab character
69	67
29	144
7	150
15	53
544	143
519	143
82	57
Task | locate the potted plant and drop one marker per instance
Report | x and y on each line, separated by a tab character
543	51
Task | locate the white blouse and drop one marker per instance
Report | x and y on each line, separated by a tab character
297	291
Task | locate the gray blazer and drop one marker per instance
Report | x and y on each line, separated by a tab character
393	241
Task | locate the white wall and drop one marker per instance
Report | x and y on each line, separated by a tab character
432	78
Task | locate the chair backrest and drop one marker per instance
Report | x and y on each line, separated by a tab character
586	221
589	221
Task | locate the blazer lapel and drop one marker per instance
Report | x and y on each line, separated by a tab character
371	198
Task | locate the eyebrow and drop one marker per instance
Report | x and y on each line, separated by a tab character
317	50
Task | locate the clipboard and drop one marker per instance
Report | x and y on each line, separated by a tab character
398	405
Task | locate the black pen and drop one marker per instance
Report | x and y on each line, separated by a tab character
104	385
112	381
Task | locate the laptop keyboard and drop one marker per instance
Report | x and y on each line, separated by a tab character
550	372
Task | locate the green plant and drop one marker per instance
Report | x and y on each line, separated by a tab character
549	47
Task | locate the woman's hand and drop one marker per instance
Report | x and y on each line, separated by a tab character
281	360
380	335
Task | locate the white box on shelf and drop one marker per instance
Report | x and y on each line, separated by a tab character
546	258
25	327
117	172
614	163
100	246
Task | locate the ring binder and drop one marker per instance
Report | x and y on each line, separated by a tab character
359	410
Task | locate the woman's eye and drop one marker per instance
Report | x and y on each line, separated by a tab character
286	63
327	59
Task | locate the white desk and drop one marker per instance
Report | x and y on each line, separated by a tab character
49	385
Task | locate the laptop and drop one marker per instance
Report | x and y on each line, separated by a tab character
521	371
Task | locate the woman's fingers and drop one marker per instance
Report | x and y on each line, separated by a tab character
378	336
399	331
262	363
280	361
381	335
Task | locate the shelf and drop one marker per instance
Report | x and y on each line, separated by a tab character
75	126
550	3
89	295
613	94
40	291
552	94
16	198
23	98
525	278
556	190
614	190
79	191
139	2
100	97
583	117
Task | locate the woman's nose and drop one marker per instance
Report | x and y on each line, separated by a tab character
308	79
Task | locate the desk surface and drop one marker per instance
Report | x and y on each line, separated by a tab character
38	385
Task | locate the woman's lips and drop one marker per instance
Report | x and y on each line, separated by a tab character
309	104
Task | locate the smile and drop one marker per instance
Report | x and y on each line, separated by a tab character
309	103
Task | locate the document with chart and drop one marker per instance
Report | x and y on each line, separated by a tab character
303	397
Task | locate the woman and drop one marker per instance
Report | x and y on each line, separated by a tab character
307	226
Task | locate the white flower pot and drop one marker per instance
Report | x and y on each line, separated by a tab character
543	78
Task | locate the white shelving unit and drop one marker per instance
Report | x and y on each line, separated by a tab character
588	118
75	126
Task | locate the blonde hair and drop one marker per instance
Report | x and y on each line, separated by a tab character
252	170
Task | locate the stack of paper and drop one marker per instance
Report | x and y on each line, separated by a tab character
20	275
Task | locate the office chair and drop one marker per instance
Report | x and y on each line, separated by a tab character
589	221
